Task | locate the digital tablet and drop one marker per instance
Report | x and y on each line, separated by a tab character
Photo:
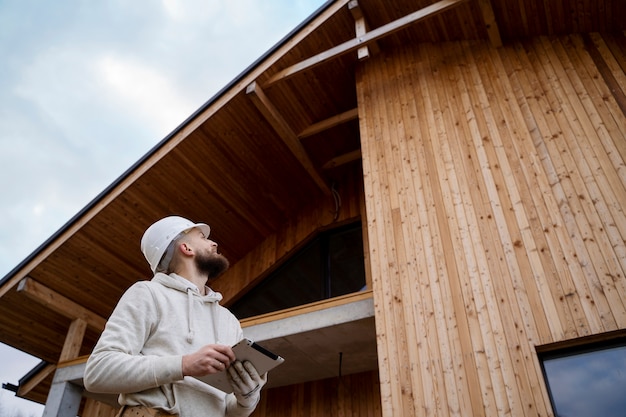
245	350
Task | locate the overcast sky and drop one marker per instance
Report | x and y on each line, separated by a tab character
88	87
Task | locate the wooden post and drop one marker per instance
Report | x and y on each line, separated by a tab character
73	340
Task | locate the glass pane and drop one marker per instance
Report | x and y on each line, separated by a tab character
588	384
332	265
347	267
297	282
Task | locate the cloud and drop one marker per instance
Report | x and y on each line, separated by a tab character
89	87
193	10
590	383
143	91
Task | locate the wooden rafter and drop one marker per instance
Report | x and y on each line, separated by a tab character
73	340
330	122
369	37
489	18
343	159
36	379
280	125
60	304
361	27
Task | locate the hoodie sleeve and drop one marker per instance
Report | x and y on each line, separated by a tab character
116	365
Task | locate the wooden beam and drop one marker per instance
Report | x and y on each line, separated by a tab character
36	379
179	135
489	18
369	37
280	125
60	304
330	122
361	27
73	340
307	308
343	159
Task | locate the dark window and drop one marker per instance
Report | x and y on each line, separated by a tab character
329	266
587	381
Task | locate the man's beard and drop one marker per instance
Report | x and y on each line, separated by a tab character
211	264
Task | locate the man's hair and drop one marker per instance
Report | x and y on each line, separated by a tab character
168	263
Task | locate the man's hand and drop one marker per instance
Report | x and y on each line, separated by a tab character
246	383
209	359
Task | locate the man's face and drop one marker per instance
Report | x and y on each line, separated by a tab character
207	259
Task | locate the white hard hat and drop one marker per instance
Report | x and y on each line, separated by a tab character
158	237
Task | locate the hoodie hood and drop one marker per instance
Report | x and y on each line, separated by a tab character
212	298
181	284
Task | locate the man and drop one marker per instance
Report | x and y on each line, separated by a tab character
165	331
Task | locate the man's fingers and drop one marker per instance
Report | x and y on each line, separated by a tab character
251	370
241	373
226	351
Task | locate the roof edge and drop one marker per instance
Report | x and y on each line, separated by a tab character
161	143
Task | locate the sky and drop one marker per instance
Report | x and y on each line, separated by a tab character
589	384
87	88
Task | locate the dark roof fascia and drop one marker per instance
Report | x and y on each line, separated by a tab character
152	151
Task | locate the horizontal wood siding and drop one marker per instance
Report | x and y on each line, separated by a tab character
494	189
350	395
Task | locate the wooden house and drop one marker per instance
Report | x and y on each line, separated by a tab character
473	149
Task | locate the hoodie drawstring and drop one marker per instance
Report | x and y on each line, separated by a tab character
192	332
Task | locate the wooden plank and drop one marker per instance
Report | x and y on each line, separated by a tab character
548	211
94	408
470	95
361	27
342	159
369	125
520	153
616	43
580	157
613	56
348	395
443	285
439	310
489	19
465	237
74	361
482	86
358	42
605	72
395	341
307	308
280	125
533	107
26	387
610	134
60	304
73	340
562	144
329	123
417	355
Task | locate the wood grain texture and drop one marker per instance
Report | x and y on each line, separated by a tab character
494	190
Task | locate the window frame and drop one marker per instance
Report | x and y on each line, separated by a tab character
325	281
580	346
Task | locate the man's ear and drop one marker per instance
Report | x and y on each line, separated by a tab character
185	249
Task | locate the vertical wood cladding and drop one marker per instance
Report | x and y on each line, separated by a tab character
350	395
494	189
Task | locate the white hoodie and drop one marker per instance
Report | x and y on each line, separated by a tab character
139	354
